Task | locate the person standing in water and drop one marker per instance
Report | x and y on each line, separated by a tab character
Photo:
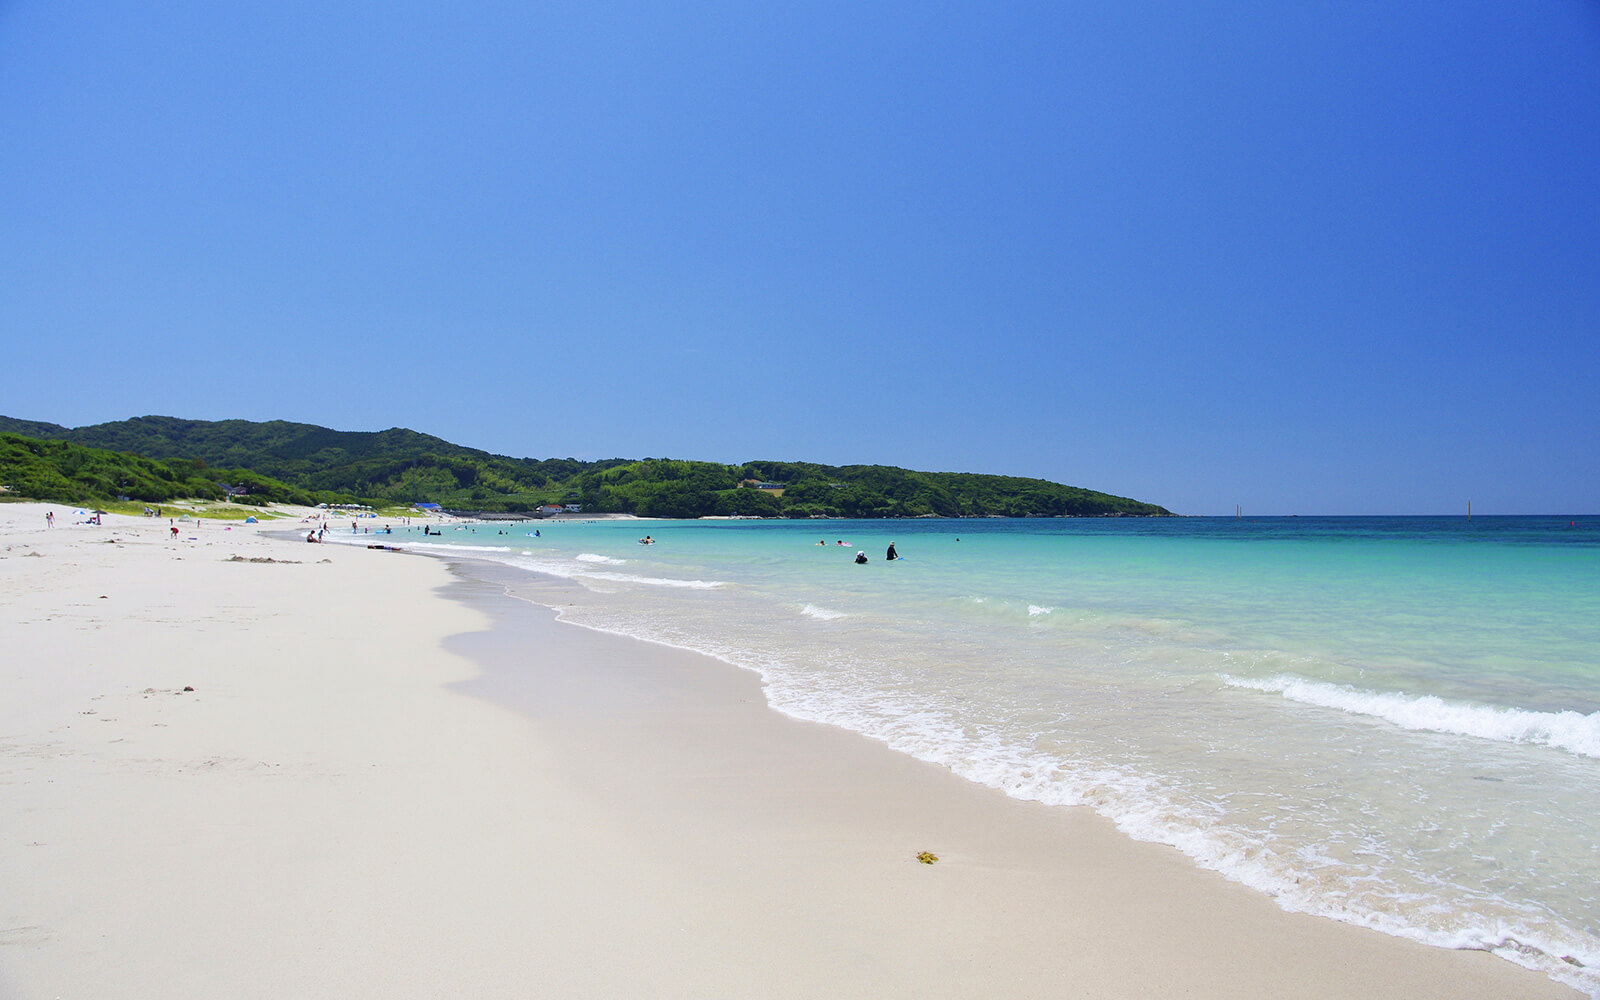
892	555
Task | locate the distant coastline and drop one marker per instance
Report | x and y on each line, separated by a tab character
155	459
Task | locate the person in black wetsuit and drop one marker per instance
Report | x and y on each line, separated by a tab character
892	555
861	558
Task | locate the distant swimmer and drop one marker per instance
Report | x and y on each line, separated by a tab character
822	543
892	555
647	540
861	558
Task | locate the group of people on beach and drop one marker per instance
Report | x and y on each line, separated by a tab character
861	555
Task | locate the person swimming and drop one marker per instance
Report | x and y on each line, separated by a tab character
861	558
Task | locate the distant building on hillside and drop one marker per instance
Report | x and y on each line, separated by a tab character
776	489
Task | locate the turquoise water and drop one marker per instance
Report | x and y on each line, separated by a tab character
1391	721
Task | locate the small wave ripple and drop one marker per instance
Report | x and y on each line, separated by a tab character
1573	732
822	614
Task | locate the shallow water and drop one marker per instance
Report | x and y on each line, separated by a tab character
1392	721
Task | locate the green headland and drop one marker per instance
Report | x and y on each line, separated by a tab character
158	459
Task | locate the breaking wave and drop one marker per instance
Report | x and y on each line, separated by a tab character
824	614
1573	732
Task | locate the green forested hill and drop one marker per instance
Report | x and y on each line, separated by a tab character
32	429
274	447
74	473
399	465
393	465
666	488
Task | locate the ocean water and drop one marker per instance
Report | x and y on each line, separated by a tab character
1391	721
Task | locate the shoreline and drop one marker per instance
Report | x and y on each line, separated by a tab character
394	779
1008	850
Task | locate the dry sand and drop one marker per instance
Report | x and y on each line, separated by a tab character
394	781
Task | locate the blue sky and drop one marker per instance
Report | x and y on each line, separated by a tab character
1303	257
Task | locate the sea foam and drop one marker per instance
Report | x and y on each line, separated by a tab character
1573	732
823	614
658	581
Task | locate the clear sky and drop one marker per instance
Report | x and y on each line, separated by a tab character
1303	257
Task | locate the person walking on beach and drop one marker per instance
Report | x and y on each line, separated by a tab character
49	519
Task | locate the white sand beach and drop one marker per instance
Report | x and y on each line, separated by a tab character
237	766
